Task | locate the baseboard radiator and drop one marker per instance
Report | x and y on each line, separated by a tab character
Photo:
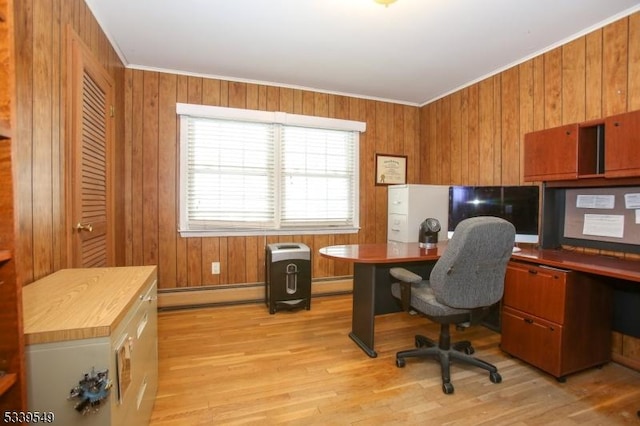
222	295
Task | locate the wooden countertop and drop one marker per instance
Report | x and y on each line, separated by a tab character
73	304
591	263
391	252
409	252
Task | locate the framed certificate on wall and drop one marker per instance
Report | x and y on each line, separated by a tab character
391	169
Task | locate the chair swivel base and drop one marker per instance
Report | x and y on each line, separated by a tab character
445	354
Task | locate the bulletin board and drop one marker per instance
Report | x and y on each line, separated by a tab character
609	214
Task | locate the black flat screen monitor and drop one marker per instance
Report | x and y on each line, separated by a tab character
517	204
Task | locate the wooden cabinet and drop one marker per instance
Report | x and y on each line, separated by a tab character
12	375
12	390
607	148
556	320
76	320
551	154
622	147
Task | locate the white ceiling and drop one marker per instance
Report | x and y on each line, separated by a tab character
412	52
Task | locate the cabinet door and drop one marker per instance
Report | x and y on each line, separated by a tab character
533	340
551	154
622	145
535	290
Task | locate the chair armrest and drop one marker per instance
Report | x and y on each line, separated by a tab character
407	279
405	275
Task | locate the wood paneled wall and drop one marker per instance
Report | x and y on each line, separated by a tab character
40	127
475	135
151	175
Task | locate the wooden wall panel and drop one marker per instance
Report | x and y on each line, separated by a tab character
509	140
593	75
615	67
485	132
634	62
573	81
526	112
168	155
40	136
473	132
553	88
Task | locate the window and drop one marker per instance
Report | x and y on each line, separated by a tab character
246	172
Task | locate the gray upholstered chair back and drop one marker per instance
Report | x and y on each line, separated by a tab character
470	273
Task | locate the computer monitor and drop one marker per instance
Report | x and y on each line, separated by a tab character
517	204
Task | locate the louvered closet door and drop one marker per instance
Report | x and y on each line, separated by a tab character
91	220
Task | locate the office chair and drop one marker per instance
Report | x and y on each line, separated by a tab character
464	283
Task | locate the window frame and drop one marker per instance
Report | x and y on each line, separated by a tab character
184	111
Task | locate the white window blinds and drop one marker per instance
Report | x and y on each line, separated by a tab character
245	172
230	177
317	177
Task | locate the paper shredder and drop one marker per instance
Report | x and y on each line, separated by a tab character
287	276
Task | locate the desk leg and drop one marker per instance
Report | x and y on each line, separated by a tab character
363	315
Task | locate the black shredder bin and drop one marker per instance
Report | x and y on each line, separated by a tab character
287	276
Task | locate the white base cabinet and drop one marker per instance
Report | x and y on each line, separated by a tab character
410	205
77	320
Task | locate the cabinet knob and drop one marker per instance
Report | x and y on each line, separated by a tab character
533	272
528	321
616	123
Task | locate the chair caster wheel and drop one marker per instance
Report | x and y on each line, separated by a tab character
495	377
469	350
447	388
400	362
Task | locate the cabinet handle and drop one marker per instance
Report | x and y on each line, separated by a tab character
84	227
533	272
528	321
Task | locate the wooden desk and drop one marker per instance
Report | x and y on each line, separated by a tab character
605	266
371	289
558	308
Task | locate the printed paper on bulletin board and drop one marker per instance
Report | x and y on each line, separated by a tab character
603	214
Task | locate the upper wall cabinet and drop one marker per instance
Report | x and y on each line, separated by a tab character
551	154
607	148
622	148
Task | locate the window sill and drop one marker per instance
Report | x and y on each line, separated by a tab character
266	232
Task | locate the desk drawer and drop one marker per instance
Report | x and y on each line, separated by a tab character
533	340
536	290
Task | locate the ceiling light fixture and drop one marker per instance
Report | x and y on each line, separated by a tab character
386	3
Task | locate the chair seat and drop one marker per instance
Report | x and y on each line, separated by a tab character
424	300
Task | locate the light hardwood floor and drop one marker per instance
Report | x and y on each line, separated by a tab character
240	365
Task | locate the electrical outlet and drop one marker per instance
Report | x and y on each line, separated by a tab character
215	268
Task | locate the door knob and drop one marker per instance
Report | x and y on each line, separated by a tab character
84	227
